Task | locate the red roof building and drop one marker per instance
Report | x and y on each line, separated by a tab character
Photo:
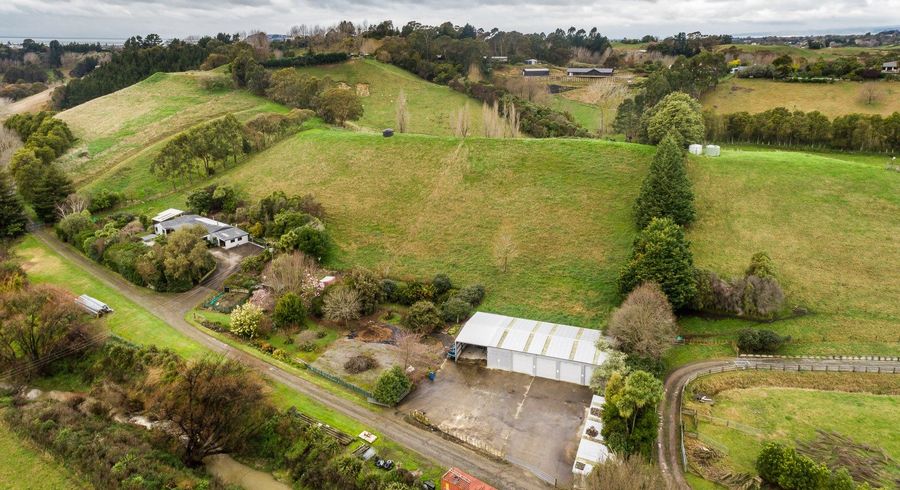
457	479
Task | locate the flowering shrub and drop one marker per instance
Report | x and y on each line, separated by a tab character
245	320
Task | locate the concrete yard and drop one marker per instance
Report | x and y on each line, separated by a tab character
532	422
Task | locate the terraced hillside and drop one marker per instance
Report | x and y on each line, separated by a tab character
431	106
119	134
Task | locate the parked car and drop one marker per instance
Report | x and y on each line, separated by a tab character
385	464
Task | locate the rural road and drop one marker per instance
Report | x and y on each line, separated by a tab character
669	439
172	309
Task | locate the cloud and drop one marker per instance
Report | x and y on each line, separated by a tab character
180	18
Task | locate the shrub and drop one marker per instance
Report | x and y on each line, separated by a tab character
360	363
307	239
392	385
760	341
367	286
455	310
389	289
423	317
441	284
289	311
338	105
105	199
245	320
785	467
644	325
473	294
761	265
341	305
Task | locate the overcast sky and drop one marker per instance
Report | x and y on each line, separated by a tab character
614	18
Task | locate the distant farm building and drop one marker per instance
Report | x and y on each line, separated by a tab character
545	350
536	72
531	61
457	479
589	72
499	59
890	67
217	233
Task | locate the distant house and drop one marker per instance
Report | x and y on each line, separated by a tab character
499	59
589	72
535	72
531	61
457	479
218	234
889	67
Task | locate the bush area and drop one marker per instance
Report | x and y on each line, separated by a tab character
17	91
175	262
306	60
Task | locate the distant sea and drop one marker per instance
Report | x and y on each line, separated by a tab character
110	41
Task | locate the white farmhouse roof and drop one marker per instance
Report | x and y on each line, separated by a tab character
167	215
540	338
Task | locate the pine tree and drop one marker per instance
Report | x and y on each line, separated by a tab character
52	189
12	213
661	254
666	191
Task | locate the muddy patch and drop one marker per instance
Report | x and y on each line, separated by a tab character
232	472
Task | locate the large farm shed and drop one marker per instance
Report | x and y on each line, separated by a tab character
542	349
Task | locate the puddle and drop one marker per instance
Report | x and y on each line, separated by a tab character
232	472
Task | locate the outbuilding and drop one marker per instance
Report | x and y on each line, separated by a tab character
542	349
531	61
535	72
457	479
589	72
592	449
890	67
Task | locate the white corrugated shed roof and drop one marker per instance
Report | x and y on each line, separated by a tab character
591	450
167	215
521	335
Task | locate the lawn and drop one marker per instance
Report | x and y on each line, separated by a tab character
831	99
120	133
23	467
790	415
130	321
431	106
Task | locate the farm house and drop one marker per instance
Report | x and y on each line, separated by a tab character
546	350
589	72
218	234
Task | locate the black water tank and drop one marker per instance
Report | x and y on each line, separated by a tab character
388	132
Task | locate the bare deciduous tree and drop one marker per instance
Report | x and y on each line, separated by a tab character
416	352
293	272
628	473
460	121
504	250
870	93
644	325
497	125
9	141
74	204
342	305
402	113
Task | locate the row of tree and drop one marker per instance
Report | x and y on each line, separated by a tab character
200	149
779	126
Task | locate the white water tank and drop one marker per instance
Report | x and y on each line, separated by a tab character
713	150
696	149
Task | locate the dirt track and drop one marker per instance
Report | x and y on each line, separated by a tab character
172	309
33	103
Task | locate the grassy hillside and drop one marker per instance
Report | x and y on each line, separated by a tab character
832	99
119	134
421	205
811	54
431	106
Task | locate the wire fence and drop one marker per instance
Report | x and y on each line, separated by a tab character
338	380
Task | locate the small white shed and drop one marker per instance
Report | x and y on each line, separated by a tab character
713	150
695	149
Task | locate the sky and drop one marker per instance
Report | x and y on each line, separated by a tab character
613	18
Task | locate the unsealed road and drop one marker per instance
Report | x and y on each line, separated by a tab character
172	309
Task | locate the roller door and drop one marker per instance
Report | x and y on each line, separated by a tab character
499	359
546	368
570	372
523	363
